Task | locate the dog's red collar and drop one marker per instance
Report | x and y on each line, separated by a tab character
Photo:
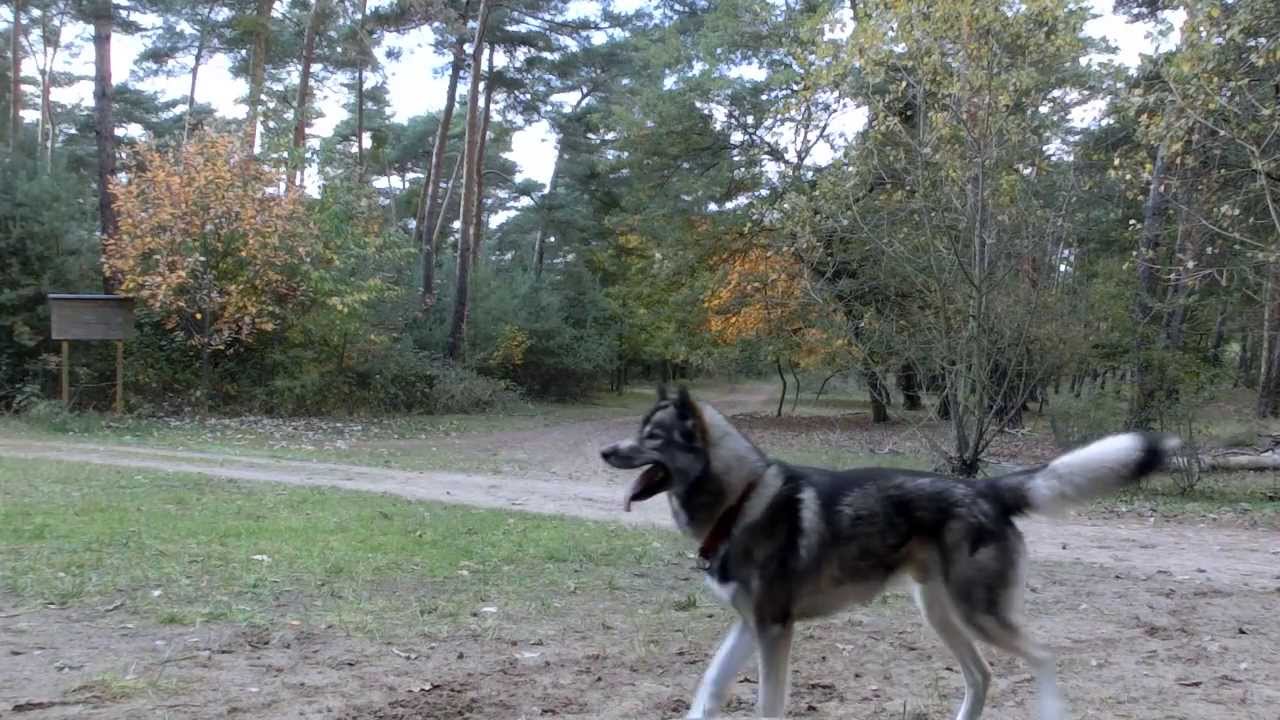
723	526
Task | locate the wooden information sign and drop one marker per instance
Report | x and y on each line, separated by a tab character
92	317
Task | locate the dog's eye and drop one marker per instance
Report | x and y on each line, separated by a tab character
653	435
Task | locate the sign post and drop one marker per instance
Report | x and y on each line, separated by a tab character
92	317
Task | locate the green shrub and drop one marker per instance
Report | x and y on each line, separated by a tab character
47	244
397	379
554	340
1077	421
461	390
53	416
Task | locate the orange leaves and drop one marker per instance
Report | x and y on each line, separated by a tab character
207	241
762	294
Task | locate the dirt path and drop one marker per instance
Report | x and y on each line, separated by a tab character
1152	619
1186	553
571	452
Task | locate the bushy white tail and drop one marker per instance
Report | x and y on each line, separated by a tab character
1094	470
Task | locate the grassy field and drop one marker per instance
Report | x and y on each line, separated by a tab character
171	587
186	549
413	442
832	432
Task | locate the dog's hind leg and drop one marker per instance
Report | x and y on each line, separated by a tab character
775	658
733	653
1003	633
992	613
936	605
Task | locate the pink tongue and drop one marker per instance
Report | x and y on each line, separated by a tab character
650	482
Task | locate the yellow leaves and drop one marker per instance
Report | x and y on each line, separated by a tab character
760	293
511	348
202	235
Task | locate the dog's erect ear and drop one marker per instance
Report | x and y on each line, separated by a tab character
684	403
662	392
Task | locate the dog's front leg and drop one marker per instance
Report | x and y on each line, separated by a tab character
775	657
732	654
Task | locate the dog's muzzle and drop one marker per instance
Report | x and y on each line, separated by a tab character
629	455
626	455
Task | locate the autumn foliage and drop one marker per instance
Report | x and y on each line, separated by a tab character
207	243
763	295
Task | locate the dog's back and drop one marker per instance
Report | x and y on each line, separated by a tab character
826	539
847	533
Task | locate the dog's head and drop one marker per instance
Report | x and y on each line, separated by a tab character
671	447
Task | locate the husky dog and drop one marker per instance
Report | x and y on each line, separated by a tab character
782	543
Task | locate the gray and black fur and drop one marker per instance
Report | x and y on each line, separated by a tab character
785	543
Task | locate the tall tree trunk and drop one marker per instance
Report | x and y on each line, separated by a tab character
298	150
15	80
438	230
909	384
1264	338
782	399
257	70
40	121
1243	366
1269	383
1219	337
544	228
1185	249
45	129
364	6
969	382
479	225
550	197
50	43
430	211
104	126
877	392
795	396
1153	212
456	347
195	73
937	383
45	136
44	123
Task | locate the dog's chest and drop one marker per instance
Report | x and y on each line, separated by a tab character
724	591
678	512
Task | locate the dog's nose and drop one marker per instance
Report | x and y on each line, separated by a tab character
608	451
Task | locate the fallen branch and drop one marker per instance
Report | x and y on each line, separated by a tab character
31	705
1225	460
1233	460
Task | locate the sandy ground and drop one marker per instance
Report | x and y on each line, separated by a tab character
1151	619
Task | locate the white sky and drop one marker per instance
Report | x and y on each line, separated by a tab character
416	85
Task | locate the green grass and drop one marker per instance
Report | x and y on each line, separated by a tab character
1226	419
183	549
114	688
1252	496
399	441
825	456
